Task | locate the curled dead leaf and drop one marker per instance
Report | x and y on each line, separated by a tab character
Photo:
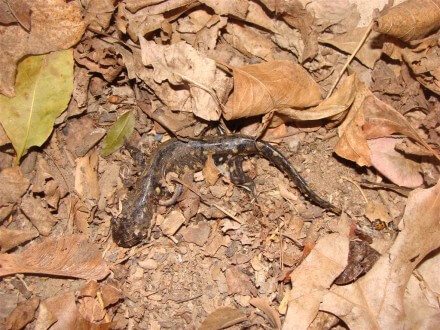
265	87
410	19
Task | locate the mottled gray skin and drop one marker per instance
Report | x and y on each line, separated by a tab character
135	222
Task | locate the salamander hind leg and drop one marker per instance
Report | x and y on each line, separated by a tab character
239	177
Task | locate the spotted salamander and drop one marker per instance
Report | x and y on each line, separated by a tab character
135	222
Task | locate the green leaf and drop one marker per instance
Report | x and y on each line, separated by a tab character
43	88
118	132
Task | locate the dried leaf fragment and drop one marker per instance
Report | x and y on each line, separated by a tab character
71	256
262	88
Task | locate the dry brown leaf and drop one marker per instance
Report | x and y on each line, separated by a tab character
223	317
171	224
63	311
312	277
410	20
22	314
13	186
156	6
298	17
239	282
262	88
251	42
11	238
55	25
98	13
71	256
376	300
394	165
210	172
38	214
424	62
272	314
236	8
340	101
180	64
86	177
16	11
370	51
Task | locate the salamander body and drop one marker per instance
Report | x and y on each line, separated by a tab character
135	222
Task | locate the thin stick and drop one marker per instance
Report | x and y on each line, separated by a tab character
357	186
351	57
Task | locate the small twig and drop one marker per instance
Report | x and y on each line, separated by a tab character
357	186
229	214
350	58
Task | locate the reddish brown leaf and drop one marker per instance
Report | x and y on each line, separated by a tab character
71	256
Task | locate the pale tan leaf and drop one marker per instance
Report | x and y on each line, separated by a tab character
265	87
392	164
376	300
210	172
71	256
86	177
312	277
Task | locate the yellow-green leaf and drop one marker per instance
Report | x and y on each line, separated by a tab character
118	132
43	87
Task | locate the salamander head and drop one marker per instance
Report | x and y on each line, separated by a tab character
131	228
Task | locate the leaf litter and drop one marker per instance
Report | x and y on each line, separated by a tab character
76	130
